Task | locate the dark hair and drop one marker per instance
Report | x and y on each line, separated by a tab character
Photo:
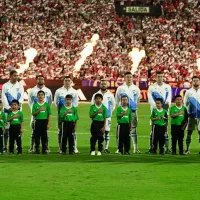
159	99
177	96
13	72
128	73
68	96
39	76
15	101
195	77
98	95
124	96
41	91
67	77
159	72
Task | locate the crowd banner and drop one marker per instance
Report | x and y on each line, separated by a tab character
86	88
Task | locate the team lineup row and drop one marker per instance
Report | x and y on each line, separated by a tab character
103	103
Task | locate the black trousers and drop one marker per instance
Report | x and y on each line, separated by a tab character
158	137
15	135
177	135
67	135
1	140
123	131
96	135
40	131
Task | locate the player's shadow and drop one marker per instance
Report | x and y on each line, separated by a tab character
112	158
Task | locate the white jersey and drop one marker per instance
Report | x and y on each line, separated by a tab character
108	101
60	94
192	102
155	91
32	95
12	92
132	92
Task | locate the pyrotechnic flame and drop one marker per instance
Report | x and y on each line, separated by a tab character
198	63
30	55
87	51
136	57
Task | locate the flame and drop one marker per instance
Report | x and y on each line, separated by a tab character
136	57
87	51
198	63
30	55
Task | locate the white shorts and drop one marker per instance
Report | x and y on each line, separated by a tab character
108	124
192	124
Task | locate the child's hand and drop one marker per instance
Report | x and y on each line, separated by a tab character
125	112
100	111
48	125
181	112
42	109
15	116
21	130
103	130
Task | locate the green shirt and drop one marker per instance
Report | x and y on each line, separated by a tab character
126	119
156	113
2	120
42	114
17	120
73	116
179	120
100	116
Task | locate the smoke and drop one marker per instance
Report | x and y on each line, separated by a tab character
87	51
136	57
30	55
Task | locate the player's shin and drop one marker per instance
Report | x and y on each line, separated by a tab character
167	143
75	143
188	140
107	140
6	135
135	140
59	142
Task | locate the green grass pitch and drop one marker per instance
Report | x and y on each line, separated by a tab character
110	177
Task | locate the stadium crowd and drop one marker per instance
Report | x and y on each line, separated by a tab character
59	29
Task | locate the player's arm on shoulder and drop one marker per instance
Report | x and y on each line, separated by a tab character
169	98
50	98
76	99
117	96
92	100
113	102
30	102
150	98
4	98
56	98
185	100
138	94
21	100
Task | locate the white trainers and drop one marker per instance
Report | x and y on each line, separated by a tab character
136	151
187	152
92	153
76	151
117	151
99	153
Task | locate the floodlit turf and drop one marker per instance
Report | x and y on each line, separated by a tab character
110	177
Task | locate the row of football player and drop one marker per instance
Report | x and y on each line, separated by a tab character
68	114
155	91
